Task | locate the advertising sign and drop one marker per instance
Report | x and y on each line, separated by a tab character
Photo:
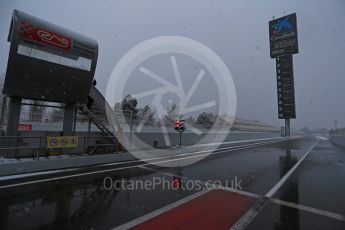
283	36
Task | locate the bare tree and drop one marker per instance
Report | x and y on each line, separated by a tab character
172	112
147	114
206	119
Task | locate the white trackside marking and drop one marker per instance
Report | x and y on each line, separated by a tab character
317	211
322	138
135	166
4	178
11	177
157	212
275	188
238	225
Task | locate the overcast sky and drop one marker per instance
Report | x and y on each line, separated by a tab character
236	30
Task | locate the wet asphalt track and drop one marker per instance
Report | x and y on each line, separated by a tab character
314	192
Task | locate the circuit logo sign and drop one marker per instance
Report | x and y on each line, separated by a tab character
53	39
43	36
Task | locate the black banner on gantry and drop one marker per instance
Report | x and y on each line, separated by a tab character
48	62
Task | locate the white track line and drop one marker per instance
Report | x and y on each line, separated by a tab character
135	166
157	212
322	138
250	214
309	209
244	220
234	142
275	188
224	148
216	143
17	176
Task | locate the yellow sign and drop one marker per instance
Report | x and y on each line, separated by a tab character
62	142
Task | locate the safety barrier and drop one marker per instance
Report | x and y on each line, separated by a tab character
37	146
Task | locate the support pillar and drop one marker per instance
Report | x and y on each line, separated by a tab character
68	119
68	122
287	127
12	124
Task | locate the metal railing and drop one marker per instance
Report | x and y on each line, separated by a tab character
36	146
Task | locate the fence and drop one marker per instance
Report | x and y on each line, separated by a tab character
48	116
36	146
